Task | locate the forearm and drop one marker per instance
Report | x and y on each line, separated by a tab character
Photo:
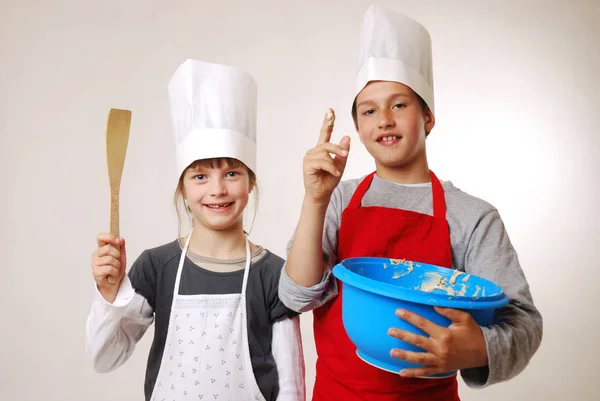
289	357
511	343
304	264
113	330
517	331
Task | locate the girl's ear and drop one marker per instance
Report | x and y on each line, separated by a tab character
251	180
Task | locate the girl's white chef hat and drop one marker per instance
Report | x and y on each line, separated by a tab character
213	112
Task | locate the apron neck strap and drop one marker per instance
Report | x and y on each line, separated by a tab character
246	268
182	260
439	201
361	191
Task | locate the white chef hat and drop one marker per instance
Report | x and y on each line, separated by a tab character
395	48
213	112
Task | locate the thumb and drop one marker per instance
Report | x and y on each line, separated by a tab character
457	316
339	161
345	142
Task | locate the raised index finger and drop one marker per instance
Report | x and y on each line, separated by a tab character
327	127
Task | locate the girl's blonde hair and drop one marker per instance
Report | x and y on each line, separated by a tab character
220	162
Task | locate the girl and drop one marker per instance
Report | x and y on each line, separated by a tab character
402	211
221	331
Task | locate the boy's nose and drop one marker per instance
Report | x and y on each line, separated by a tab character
386	119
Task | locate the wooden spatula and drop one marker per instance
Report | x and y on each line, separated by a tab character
117	137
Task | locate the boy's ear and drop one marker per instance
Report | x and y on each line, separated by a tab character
429	120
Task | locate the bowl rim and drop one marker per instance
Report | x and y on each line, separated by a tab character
341	272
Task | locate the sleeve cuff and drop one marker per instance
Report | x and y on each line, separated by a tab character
481	377
124	296
303	299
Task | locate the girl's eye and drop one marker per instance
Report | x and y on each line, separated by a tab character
232	174
200	177
368	112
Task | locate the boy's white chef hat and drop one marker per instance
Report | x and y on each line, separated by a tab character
396	48
213	112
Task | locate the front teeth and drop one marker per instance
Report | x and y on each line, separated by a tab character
389	138
218	206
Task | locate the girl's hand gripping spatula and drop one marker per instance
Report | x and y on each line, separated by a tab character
117	137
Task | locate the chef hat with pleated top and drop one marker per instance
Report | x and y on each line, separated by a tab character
394	47
213	112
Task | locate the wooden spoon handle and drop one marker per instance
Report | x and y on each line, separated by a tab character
114	213
117	137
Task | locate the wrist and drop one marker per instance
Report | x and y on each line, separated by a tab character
482	354
315	204
109	294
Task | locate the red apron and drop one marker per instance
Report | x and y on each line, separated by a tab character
379	232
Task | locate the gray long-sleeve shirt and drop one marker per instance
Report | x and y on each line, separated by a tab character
480	246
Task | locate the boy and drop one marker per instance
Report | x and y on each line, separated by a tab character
402	211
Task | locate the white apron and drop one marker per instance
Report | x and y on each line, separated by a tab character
206	355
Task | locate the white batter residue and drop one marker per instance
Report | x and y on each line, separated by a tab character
436	282
397	262
455	276
452	292
397	275
330	115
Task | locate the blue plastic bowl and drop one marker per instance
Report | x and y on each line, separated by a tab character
373	288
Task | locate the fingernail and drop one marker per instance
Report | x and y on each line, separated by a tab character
402	373
344	153
401	312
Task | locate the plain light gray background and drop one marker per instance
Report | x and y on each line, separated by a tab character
517	99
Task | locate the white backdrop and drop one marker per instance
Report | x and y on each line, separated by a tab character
517	114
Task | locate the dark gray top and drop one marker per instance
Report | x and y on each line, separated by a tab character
153	276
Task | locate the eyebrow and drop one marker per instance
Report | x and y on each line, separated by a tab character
395	95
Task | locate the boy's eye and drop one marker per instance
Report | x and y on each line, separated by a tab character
400	105
368	112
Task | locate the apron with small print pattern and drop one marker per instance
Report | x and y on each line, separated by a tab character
207	356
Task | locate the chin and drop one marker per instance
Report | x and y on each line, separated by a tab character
396	160
395	163
391	162
220	225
